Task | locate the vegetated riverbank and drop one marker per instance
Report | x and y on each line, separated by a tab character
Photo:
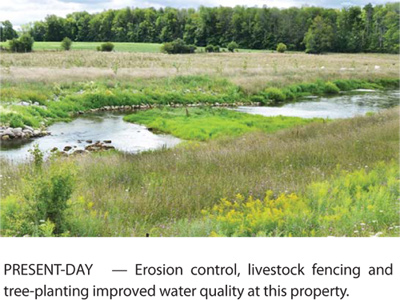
202	124
164	192
39	104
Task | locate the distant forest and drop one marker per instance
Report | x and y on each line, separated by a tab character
351	29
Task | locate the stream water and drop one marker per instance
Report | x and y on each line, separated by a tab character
133	138
125	136
345	105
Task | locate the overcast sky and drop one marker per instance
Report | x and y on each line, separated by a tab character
23	11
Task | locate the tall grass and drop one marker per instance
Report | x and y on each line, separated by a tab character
126	195
360	203
260	71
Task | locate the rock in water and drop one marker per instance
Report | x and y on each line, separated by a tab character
9	132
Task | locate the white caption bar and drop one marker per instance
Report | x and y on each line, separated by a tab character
200	268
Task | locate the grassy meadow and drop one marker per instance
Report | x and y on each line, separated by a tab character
252	72
235	174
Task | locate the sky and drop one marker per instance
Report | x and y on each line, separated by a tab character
20	12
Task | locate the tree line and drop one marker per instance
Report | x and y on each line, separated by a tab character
314	29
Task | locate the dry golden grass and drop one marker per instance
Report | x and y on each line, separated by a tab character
252	71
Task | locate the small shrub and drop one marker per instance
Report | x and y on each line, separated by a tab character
66	44
178	47
168	48
209	48
232	46
37	156
106	47
192	48
23	44
281	48
331	88
275	94
49	196
217	49
42	207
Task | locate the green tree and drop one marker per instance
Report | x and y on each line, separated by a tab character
55	30
38	31
392	35
352	29
368	13
82	21
318	38
7	31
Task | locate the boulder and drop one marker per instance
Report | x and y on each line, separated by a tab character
98	146
9	132
27	131
67	148
5	137
26	127
108	147
92	148
107	141
79	152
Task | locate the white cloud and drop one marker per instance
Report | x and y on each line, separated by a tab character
23	11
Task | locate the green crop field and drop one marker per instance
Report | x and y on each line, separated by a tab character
119	47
